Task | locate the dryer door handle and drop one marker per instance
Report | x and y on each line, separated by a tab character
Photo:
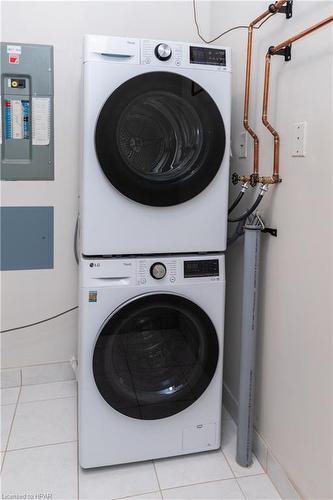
117	57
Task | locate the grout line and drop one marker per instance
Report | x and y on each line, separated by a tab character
240	487
201	482
136	495
158	481
12	423
41	445
226	459
46	399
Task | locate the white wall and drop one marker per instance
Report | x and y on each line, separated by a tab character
294	375
28	296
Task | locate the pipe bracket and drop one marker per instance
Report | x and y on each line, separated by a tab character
287	9
270	230
286	52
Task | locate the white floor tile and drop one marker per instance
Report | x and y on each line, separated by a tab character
7	415
43	374
191	469
9	396
41	470
216	490
156	495
53	390
229	442
258	487
117	481
10	377
44	422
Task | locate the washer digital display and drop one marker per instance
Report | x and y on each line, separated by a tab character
201	268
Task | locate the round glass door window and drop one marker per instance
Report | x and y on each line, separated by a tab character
160	139
155	356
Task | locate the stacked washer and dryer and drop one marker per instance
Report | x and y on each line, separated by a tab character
153	223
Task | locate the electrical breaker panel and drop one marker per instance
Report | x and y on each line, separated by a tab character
26	124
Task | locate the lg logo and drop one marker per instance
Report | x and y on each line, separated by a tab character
94	264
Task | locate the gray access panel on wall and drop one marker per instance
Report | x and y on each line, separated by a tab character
27	140
26	238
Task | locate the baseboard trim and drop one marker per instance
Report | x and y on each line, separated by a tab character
37	374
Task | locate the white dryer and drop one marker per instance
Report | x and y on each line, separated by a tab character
155	147
150	357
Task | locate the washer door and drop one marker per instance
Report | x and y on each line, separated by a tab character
160	139
155	356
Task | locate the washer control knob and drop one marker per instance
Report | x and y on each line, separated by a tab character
163	52
158	270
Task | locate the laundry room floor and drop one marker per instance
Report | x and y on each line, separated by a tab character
39	457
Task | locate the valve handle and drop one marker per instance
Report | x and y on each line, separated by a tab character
235	178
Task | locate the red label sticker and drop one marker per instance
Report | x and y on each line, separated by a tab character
14	59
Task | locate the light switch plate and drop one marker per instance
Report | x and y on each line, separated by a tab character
299	139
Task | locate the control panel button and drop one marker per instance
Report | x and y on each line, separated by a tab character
158	270
163	52
172	279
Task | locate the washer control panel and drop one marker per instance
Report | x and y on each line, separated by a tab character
153	271
167	270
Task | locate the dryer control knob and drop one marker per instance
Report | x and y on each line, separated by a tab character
158	270
163	52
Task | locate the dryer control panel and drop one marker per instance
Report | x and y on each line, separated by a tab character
185	55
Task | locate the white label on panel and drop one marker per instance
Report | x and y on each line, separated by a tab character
41	109
13	49
17	119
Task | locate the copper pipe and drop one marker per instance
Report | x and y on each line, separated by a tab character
244	178
273	9
300	35
246	102
273	50
268	180
266	122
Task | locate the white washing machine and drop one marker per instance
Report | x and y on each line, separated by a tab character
155	147
150	357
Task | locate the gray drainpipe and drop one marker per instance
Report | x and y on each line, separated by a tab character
252	233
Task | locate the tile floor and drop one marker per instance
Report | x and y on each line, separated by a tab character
39	457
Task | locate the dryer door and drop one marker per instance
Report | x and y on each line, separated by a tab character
160	139
155	356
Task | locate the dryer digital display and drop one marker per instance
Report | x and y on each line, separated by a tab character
207	55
